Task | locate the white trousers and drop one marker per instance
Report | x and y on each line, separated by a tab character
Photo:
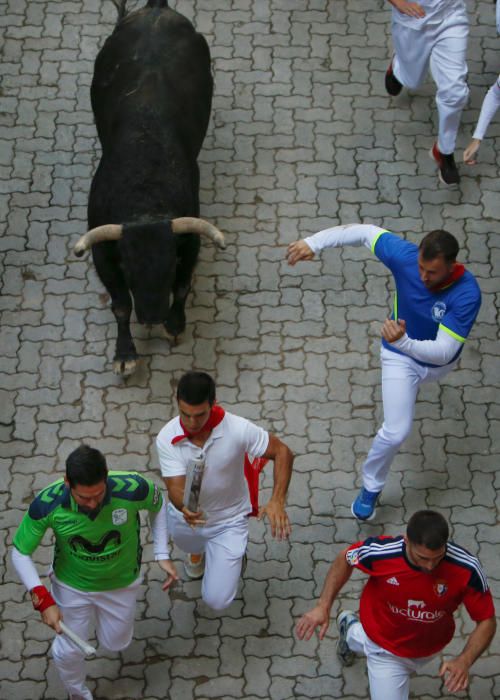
401	378
442	48
223	544
389	675
114	613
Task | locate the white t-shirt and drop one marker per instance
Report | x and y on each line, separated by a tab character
436	11
224	489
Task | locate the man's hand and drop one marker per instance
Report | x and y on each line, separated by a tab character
172	575
299	250
455	673
193	519
393	330
310	620
412	9
278	518
471	152
52	617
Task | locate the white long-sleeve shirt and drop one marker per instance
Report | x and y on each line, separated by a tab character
489	107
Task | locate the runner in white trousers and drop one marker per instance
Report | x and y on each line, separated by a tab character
215	535
415	584
435	305
94	515
432	34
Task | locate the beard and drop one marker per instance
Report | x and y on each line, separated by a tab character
91	512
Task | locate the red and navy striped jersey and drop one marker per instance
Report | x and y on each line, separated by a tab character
408	611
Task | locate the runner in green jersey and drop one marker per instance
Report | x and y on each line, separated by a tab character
94	515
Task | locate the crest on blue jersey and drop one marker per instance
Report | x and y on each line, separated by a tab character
438	311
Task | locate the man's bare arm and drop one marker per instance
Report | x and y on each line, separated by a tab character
338	575
175	489
456	671
275	508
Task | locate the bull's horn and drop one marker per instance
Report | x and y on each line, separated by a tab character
110	232
188	224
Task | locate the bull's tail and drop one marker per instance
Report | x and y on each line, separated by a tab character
121	8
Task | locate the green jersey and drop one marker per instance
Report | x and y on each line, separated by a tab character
92	553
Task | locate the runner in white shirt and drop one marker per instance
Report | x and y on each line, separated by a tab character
432	34
216	536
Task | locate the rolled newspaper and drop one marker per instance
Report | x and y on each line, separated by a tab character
194	477
87	648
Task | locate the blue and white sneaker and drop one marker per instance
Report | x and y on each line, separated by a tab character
345	619
363	507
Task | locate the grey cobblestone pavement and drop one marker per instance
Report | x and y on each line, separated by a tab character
302	136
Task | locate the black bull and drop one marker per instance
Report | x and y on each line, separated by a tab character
151	96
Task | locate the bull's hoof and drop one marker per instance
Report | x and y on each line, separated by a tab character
176	322
174	326
124	368
172	339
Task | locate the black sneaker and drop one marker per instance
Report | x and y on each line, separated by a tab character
392	84
448	171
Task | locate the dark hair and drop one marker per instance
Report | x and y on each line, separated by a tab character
195	388
86	466
438	243
428	529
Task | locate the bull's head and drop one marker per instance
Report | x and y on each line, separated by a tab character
148	259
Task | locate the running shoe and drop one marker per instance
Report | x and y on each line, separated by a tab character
363	507
392	84
194	566
448	171
345	619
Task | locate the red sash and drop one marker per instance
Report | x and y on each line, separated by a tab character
252	469
252	472
217	413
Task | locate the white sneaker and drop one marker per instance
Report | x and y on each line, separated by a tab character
88	696
194	569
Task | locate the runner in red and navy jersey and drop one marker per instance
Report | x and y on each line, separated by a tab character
435	305
416	584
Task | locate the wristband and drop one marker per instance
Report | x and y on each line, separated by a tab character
41	598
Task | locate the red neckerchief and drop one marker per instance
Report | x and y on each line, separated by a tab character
217	413
454	275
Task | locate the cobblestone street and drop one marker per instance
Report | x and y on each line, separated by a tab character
302	136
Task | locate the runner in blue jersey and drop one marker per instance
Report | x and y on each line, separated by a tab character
435	305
